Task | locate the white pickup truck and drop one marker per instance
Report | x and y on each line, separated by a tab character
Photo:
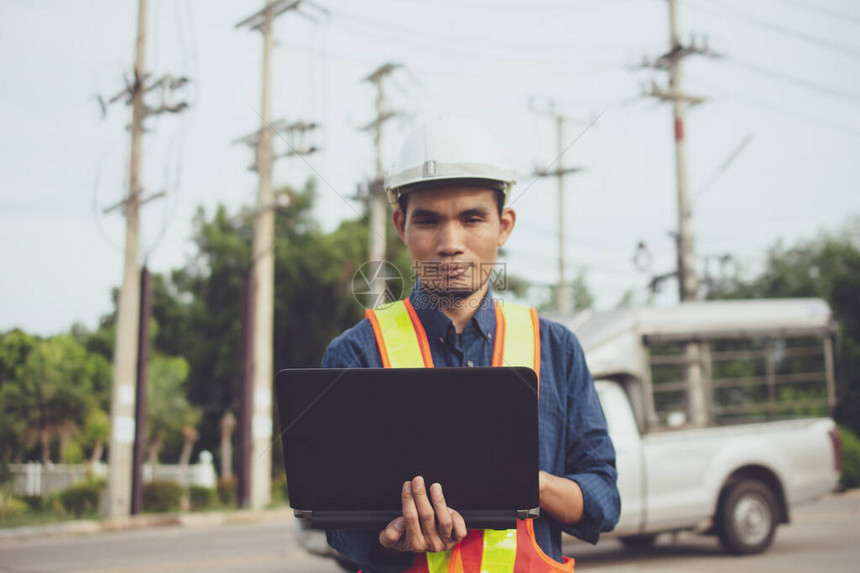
711	407
718	412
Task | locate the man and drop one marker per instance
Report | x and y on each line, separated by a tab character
450	192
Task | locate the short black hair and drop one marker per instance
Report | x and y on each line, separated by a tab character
403	201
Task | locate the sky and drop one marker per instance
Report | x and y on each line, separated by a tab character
772	152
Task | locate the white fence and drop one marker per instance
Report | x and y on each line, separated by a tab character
36	479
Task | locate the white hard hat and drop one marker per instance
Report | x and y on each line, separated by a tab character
449	149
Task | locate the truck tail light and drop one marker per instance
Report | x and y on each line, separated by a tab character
836	440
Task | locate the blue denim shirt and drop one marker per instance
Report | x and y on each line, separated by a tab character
573	438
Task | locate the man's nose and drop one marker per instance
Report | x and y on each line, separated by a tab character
450	240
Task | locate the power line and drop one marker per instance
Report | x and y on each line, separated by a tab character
790	113
577	240
733	13
507	68
489	48
853	97
597	267
841	16
727	162
524	6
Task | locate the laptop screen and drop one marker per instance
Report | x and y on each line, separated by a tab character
352	437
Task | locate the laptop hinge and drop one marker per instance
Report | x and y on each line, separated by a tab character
532	513
303	513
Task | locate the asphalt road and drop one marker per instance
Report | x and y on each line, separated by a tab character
825	536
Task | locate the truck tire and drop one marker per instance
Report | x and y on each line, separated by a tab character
747	517
638	542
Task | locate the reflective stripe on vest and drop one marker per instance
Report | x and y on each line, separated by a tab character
522	347
400	337
403	343
439	562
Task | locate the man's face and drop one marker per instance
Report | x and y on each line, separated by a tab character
453	235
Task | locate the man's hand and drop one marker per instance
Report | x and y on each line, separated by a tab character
561	498
426	524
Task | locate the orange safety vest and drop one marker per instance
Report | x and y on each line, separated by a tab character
403	343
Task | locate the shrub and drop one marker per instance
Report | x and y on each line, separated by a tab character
850	477
10	505
55	505
162	495
227	490
201	497
36	502
81	497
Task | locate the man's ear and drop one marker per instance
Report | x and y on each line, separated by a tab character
399	220
506	225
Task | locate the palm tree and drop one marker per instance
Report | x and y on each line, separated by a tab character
168	410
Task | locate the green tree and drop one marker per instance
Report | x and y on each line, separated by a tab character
15	346
198	307
579	294
627	300
827	266
583	298
95	433
53	395
167	409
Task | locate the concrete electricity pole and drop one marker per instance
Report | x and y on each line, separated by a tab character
125	357
671	62
376	198
125	349
687	281
563	293
263	267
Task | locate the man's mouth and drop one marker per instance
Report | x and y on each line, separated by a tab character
452	271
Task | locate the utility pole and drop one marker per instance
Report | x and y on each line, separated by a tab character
686	262
563	292
263	266
125	359
377	201
140	406
671	62
246	396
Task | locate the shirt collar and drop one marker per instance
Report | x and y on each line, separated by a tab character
437	325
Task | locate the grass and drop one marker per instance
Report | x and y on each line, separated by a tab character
41	518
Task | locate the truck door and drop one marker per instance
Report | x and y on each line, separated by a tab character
628	452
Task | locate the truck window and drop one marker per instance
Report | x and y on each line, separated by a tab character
747	379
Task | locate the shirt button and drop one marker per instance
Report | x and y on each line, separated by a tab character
469	363
490	335
441	339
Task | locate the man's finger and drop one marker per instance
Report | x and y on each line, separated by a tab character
391	536
458	530
427	515
414	537
443	517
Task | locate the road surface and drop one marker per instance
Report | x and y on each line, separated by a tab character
825	536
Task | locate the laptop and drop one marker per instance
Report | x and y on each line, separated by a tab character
353	436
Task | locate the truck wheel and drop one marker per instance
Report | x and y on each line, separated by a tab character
638	542
346	564
747	518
